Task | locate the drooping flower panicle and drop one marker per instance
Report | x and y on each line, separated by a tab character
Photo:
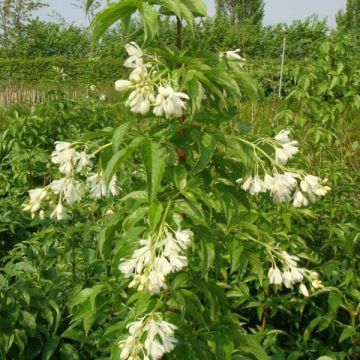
158	256
69	189
292	274
167	102
285	185
149	338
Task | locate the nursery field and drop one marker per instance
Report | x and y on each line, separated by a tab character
179	207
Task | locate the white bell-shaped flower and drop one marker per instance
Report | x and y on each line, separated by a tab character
58	213
275	276
135	53
170	102
300	200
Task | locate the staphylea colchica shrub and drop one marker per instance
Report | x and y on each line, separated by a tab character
173	181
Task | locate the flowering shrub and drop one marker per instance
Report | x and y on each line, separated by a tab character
178	224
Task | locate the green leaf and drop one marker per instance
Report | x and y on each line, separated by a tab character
68	352
105	238
106	235
235	249
248	86
89	3
140	195
135	217
208	253
348	332
206	150
168	7
257	267
154	159
119	135
88	322
149	17
155	214
29	320
334	301
177	8
187	15
50	348
110	15
118	159
228	202
311	327
249	345
111	330
56	309
194	212
224	346
80	297
200	75
210	297
193	306
180	177
20	339
197	7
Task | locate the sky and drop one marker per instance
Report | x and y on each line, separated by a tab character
275	10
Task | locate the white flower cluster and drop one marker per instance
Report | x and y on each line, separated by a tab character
68	159
158	256
288	186
150	339
292	275
284	186
167	102
68	189
234	55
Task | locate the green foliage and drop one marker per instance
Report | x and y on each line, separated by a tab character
83	70
241	12
24	148
14	16
42	39
39	73
46	39
125	9
324	108
349	20
303	38
62	295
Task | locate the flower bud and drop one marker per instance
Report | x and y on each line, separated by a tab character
133	284
125	353
122	85
303	290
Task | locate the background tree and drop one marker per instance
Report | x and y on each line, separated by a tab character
349	20
241	11
5	22
14	16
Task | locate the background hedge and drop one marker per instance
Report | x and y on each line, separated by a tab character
102	71
15	70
